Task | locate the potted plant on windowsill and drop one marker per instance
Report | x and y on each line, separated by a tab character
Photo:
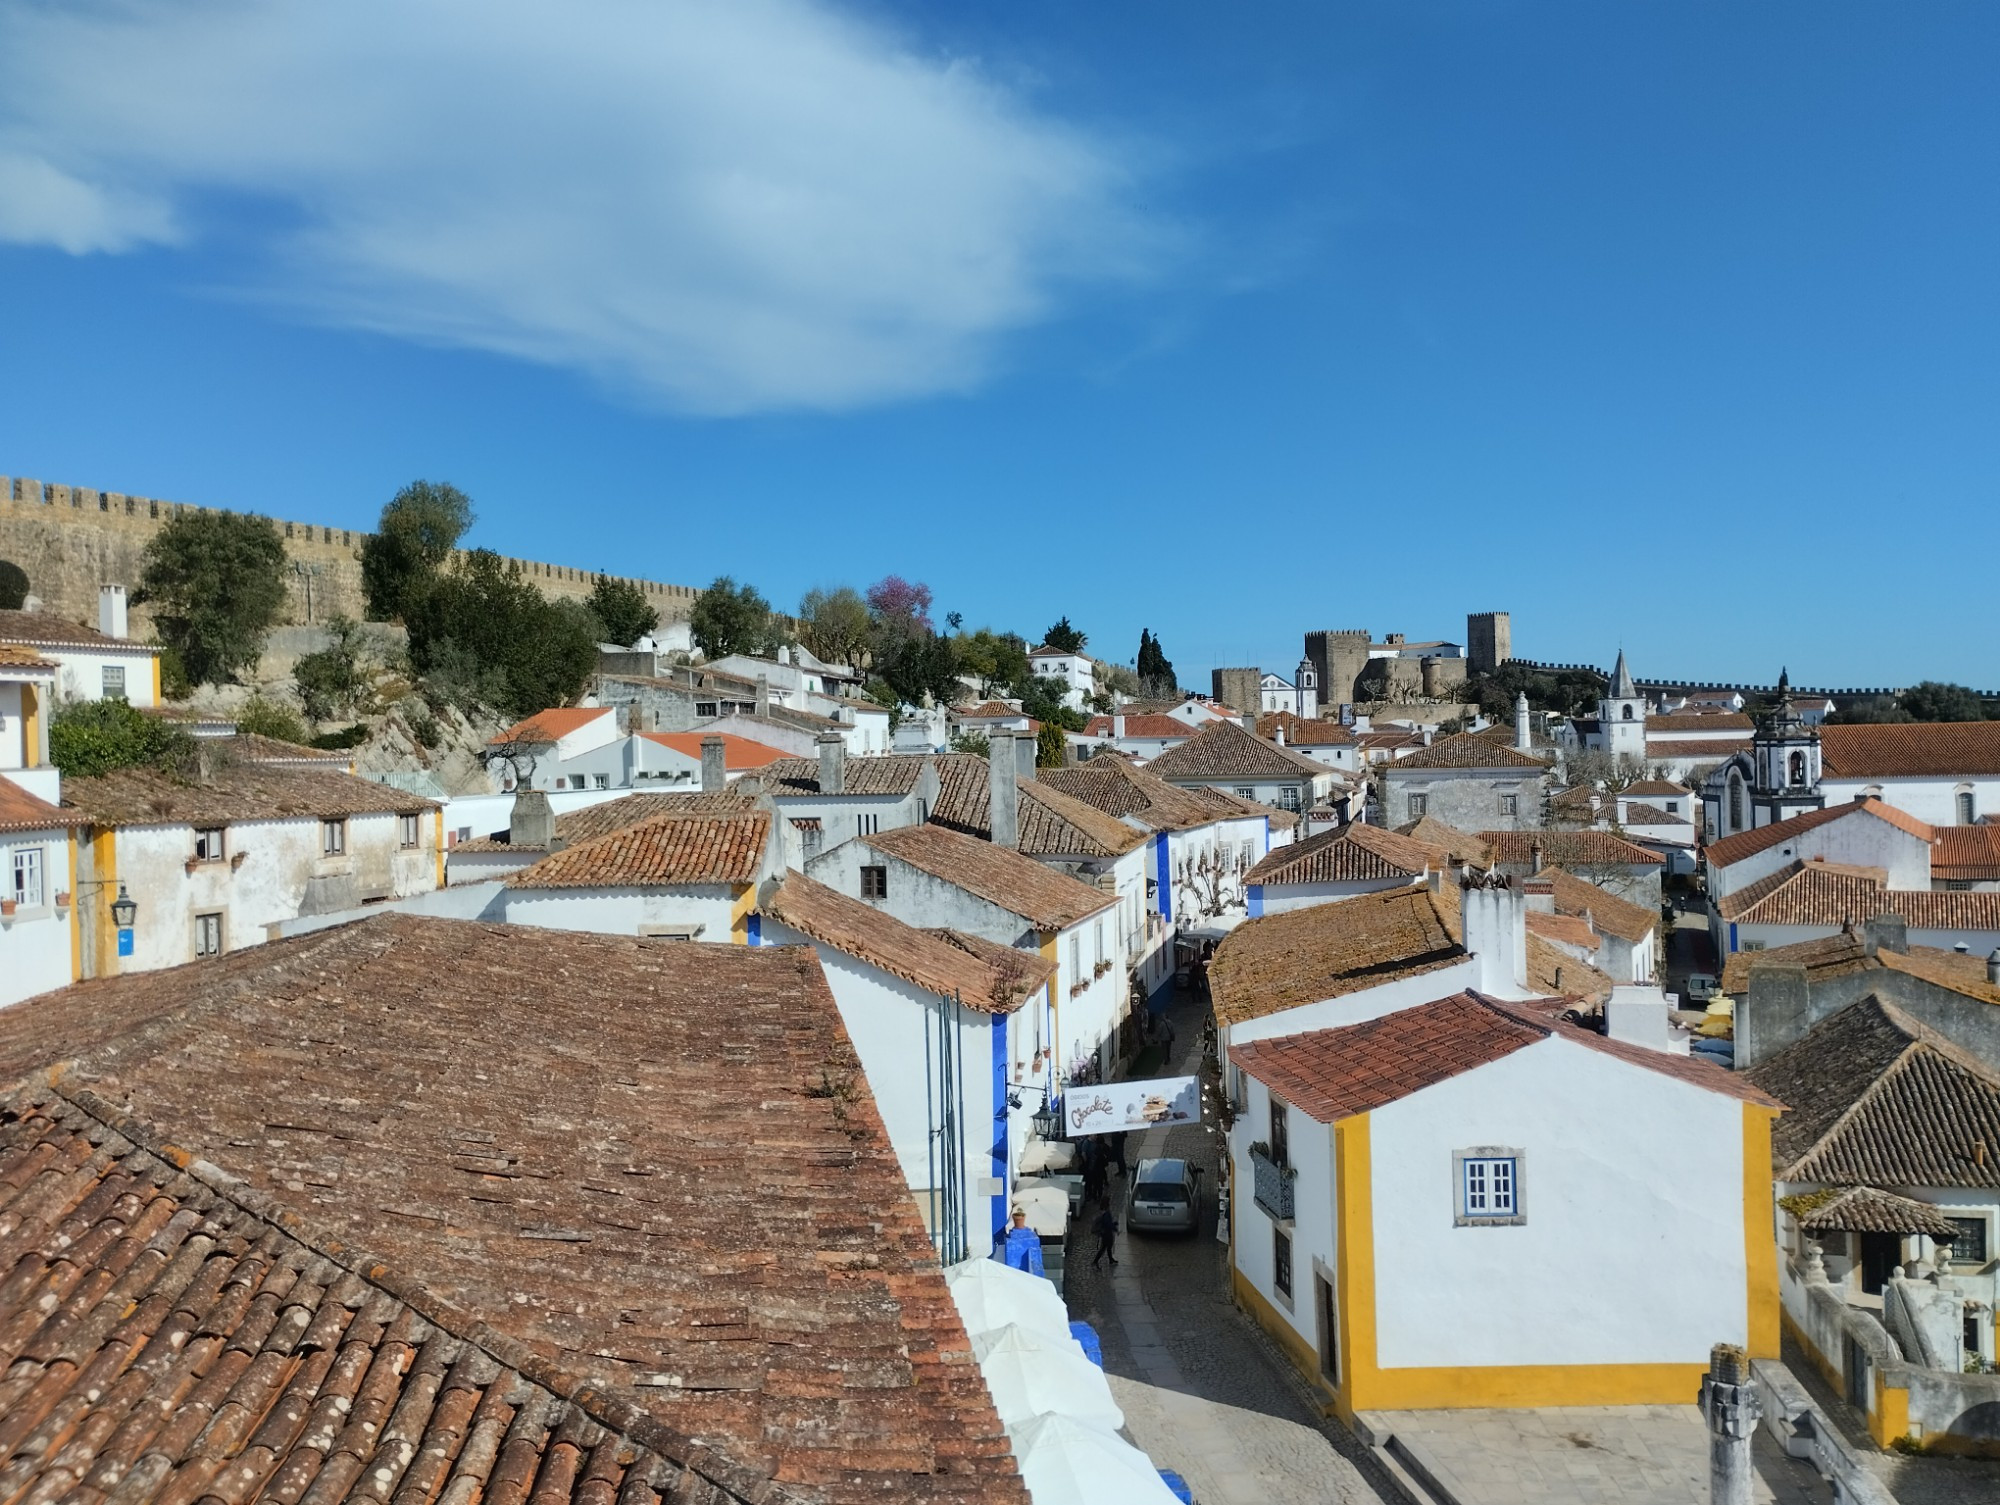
190	865
8	908
236	860
62	899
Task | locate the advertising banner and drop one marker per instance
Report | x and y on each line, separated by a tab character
1117	1107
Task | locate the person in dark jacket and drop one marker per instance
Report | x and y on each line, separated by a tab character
1106	1227
1023	1249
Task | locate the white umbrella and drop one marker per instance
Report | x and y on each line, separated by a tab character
990	1295
1069	1462
1030	1372
1047	1205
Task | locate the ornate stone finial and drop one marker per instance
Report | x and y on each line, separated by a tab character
1815	1263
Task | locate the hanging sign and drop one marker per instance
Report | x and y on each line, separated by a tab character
1119	1107
125	940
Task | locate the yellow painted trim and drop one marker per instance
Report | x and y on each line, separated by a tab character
1760	1235
1354	1263
104	866
157	698
437	834
739	914
1303	1355
1889	1417
31	728
1829	1371
1049	943
75	915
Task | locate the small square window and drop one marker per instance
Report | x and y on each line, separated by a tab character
1510	804
26	888
1281	1262
874	883
603	780
208	845
1489	1186
1245	794
332	838
114	681
1968	1246
1417	804
208	935
409	830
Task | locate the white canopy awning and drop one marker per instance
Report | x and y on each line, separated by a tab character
1068	1462
990	1295
1029	1372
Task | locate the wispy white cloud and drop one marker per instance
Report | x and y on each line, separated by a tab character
722	207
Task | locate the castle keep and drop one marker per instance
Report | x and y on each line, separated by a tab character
72	540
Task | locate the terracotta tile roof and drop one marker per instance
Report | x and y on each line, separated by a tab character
737	752
1694	747
22	811
1141	726
1966	854
1045	898
1825	956
364	1248
1468	750
1116	787
1648	815
1911	750
550	725
18	656
1869	1209
1569	930
240	792
253	747
1748	843
1223	750
1050	823
1570	849
52	631
1611	914
1878	1099
1390	737
1650	788
986	710
1221	804
576	826
1825	893
1699	721
668	850
994	984
1301	732
1354	853
873	774
1331	1074
1463	846
1303	956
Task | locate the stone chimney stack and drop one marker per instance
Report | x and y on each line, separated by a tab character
111	619
1886	932
1117	726
532	823
1250	722
1004	795
763	695
1027	750
1993	967
1524	736
714	765
832	763
1496	932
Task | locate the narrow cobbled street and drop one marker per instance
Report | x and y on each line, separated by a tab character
1203	1391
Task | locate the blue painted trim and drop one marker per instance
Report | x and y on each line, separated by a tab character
753	930
1162	997
1732	936
1255	895
1000	1125
1163	876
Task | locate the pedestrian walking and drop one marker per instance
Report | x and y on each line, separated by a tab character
1106	1227
1118	1147
1167	1025
1023	1249
1093	1174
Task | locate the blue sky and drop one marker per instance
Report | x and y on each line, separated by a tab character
1672	326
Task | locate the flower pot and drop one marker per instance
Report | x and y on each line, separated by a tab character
62	900
236	860
8	906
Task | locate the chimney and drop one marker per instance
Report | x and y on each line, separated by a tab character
533	823
832	763
1993	967
714	765
763	694
111	611
1004	797
1523	736
1117	726
1495	932
1250	722
1886	932
1281	734
1535	862
1026	750
1637	1015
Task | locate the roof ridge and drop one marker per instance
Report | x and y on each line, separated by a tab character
620	1416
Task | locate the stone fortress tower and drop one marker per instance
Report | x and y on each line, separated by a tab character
1489	640
1242	690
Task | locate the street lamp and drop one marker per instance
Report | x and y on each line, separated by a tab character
1045	1120
124	909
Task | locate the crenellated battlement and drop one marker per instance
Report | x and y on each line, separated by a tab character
72	539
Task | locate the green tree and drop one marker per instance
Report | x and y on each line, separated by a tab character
216	582
919	664
330	681
1933	701
976	743
1051	747
1874	710
89	738
1064	638
998	660
13	586
730	618
622	610
833	624
273	719
1042	699
482	634
1156	670
419	528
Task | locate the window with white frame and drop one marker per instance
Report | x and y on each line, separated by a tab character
114	681
208	935
1489	1186
409	830
1418	802
1968	1245
603	780
26	887
1510	804
208	845
1246	794
332	838
1966	807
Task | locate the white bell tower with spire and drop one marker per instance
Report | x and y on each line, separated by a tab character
1621	715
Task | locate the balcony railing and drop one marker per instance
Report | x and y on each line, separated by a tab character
1272	1185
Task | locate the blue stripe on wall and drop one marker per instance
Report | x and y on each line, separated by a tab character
1165	876
1000	1125
754	928
1255	894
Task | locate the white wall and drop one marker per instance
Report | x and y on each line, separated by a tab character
1858	840
1279	897
1632	1251
1930	800
82	676
1354	1008
626	911
35	945
1314	1235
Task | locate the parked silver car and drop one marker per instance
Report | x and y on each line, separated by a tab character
1165	1197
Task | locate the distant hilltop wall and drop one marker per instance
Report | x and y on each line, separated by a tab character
72	540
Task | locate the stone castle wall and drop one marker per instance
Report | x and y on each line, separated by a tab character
72	540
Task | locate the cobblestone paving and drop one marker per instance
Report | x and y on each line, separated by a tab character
1203	1392
1585	1455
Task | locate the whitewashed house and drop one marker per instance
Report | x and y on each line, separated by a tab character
1328	742
946	1025
1813	900
38	946
933	878
1143	736
104	664
214	859
1945	773
1411	1119
1474	782
1226	756
533	753
1077	673
1342	863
